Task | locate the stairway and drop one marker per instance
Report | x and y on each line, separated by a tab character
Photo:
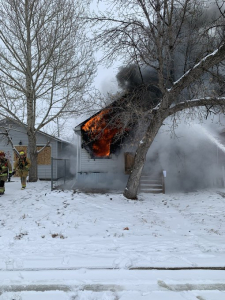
150	184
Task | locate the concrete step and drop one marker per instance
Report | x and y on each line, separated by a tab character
151	181
152	191
151	184
148	184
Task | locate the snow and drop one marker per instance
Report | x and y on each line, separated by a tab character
70	245
195	66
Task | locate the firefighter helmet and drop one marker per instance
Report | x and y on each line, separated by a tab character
2	153
21	152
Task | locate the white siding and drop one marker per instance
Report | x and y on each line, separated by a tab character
114	164
44	172
99	173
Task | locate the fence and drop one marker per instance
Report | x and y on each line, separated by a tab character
62	173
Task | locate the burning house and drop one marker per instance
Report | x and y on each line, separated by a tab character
101	148
107	140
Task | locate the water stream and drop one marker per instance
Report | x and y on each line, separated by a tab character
212	138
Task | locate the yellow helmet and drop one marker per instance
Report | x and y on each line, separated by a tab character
22	153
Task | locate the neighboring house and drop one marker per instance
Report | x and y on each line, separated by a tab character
56	148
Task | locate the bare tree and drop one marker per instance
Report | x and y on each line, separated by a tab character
183	42
46	63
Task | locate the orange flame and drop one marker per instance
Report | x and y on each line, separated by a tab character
99	131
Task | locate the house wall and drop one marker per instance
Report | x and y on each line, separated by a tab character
99	174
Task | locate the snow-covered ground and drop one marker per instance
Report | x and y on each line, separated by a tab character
76	246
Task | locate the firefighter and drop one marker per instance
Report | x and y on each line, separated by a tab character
22	166
5	171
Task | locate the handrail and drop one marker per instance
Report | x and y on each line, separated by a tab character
163	181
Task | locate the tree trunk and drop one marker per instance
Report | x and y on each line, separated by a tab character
33	175
30	101
133	182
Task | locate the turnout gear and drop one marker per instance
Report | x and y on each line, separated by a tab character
5	171
22	166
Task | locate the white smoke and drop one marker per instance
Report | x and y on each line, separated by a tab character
194	156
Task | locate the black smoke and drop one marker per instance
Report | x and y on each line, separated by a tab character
140	85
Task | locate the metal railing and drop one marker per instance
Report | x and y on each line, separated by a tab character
62	173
